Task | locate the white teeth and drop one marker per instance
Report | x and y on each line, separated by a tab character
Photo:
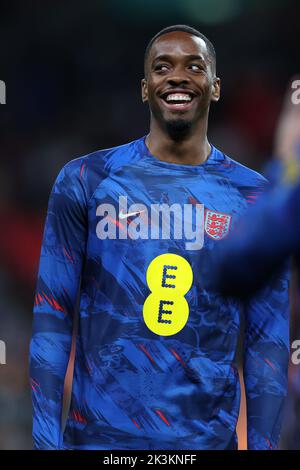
179	97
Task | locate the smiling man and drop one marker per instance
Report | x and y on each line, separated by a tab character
128	241
180	83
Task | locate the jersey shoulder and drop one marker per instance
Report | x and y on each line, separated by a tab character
239	174
105	160
86	172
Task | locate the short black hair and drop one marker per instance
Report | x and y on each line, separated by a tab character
185	29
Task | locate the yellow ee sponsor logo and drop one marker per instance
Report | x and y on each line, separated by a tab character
169	278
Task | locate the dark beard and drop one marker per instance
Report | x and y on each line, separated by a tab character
178	129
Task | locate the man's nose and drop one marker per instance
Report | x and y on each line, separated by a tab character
177	78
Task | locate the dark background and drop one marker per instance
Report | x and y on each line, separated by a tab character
72	71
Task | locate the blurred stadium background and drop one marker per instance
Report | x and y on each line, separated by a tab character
72	71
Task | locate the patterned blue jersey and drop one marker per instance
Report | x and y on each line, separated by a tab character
127	246
264	240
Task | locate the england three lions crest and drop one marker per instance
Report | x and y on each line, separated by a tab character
217	225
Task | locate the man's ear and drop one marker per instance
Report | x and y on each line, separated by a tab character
144	90
216	89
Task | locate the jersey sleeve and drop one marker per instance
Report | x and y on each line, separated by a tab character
266	236
59	276
266	356
253	266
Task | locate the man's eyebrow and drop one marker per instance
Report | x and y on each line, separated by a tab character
187	56
161	57
196	57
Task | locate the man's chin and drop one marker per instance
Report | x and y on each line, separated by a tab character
178	128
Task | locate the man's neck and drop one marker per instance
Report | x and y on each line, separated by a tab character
193	149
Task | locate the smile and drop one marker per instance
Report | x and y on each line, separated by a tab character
175	100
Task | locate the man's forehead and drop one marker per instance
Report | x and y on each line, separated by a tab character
178	42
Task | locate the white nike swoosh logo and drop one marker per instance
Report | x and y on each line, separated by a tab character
122	215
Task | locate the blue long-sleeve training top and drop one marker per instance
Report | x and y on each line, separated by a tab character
130	238
266	237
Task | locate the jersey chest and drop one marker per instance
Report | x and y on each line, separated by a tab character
139	205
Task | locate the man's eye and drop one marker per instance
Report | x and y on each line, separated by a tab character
196	67
161	67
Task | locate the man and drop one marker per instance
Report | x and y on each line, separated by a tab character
263	243
269	234
268	237
129	233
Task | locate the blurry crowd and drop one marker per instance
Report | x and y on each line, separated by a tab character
72	72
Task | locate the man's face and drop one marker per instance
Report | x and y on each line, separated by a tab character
180	81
